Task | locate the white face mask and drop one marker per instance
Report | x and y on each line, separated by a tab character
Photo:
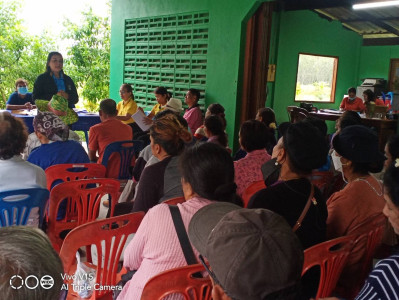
336	161
338	164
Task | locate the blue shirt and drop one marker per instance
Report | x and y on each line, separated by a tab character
15	99
382	282
59	82
68	152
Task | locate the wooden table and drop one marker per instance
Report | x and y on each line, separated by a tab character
385	128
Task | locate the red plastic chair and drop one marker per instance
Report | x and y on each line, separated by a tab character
331	256
323	180
175	201
109	237
369	236
251	190
337	184
179	281
69	172
83	204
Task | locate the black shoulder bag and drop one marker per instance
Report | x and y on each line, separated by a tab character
182	235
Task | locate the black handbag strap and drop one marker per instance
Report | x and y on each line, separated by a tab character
182	235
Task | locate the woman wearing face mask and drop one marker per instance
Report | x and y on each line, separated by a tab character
301	149
20	99
382	282
352	102
355	155
54	81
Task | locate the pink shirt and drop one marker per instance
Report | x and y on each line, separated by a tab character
155	247
247	170
194	119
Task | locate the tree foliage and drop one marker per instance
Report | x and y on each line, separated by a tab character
88	60
21	54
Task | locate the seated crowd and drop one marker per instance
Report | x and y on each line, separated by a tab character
255	252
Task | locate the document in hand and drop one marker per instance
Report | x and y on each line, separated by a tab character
139	117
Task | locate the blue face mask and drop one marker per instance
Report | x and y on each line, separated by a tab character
352	98
22	90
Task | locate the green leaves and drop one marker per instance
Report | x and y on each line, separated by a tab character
88	59
21	55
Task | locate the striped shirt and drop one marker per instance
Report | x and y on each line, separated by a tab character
383	281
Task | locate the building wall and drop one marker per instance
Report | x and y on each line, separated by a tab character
225	34
293	32
305	31
374	61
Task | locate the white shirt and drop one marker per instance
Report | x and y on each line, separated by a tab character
16	174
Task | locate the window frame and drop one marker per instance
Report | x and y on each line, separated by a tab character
334	78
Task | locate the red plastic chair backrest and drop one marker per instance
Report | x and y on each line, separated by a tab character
109	237
337	184
331	256
251	190
175	201
69	172
179	281
83	204
369	236
323	180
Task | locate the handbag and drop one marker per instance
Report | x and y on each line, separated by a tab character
311	199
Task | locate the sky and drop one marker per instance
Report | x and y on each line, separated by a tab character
40	15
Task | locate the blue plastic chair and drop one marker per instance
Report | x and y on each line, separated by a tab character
16	205
126	151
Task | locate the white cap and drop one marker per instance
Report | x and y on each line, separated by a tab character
175	105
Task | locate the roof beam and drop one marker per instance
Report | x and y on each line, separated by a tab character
372	19
314	4
381	42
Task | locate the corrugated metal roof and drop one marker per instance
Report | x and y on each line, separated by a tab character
374	23
370	23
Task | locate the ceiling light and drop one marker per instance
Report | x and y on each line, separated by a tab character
375	4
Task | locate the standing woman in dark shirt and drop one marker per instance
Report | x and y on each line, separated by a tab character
54	81
301	149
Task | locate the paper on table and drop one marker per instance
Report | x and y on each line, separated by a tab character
139	117
20	112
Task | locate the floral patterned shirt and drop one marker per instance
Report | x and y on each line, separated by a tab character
247	169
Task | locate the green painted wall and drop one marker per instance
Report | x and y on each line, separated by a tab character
374	61
292	33
225	34
305	31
